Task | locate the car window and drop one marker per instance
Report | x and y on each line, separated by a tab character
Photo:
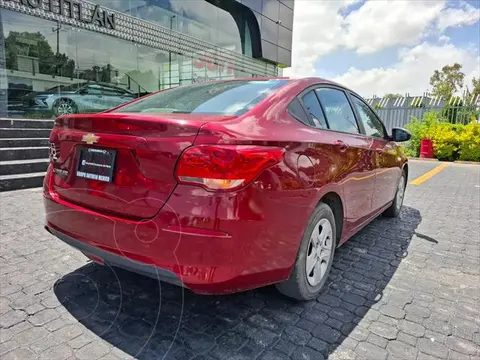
60	88
338	111
372	125
94	90
296	109
106	90
234	97
313	107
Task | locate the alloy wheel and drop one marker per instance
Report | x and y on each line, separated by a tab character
65	108
319	252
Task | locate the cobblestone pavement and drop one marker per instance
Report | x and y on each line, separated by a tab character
405	288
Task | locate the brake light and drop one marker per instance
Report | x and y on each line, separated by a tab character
225	167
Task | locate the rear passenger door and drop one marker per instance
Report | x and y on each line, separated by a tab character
354	153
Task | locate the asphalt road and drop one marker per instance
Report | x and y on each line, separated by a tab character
405	288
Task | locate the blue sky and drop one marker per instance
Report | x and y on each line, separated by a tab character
339	62
376	46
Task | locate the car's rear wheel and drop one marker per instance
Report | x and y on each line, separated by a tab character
396	207
64	107
314	258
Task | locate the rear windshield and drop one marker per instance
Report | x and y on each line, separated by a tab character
217	98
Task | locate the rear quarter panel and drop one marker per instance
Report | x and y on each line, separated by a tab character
308	171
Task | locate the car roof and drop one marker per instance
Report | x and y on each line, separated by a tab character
305	81
289	79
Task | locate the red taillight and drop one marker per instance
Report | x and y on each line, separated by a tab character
225	167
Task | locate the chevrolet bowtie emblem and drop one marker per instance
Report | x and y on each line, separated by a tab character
90	138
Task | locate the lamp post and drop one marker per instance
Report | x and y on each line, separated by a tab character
57	60
170	53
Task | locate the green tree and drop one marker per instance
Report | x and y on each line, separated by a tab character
36	46
392	96
65	66
97	73
475	90
447	80
29	44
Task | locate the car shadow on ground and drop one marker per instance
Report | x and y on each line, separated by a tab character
148	320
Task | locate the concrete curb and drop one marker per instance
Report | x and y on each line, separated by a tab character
467	162
421	159
452	162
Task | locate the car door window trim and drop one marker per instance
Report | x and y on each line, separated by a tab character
359	127
331	86
323	109
302	106
385	133
348	94
317	123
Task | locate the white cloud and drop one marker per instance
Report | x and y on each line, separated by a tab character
381	24
323	27
320	28
411	74
443	39
466	14
317	32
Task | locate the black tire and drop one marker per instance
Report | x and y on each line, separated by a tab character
396	207
56	108
297	285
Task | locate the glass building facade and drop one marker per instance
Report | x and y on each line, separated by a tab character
74	56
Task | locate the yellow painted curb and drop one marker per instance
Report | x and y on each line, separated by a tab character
421	179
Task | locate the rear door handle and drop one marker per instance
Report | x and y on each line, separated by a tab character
341	145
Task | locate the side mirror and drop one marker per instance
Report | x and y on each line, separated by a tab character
400	134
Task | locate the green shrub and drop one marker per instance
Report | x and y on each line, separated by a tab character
411	150
450	141
469	144
445	141
420	129
412	147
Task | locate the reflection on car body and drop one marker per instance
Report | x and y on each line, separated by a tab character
226	186
86	97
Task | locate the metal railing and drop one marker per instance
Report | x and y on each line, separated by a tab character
399	111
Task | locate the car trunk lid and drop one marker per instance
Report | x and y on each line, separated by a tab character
120	164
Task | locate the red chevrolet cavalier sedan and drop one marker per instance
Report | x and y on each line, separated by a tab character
225	186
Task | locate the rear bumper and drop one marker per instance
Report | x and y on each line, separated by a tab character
118	261
211	243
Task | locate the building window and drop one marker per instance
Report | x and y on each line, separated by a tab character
199	19
247	41
48	63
